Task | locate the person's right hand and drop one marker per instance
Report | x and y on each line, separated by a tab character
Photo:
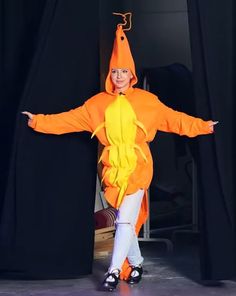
30	115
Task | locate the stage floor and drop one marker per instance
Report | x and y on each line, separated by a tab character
164	275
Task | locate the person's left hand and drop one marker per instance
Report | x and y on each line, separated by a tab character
30	116
211	124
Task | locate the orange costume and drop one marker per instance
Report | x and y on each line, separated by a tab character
125	124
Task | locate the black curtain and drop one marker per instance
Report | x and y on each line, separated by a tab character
213	46
50	55
19	23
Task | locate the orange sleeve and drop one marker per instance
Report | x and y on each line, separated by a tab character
180	123
75	120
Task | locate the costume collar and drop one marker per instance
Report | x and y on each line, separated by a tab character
128	92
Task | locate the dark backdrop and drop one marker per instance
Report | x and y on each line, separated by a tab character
212	32
48	201
49	57
19	23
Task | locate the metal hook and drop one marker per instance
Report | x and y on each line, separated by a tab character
124	16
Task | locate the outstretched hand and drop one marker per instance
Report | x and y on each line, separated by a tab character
211	125
30	115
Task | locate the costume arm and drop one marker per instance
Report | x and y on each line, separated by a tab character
75	120
181	123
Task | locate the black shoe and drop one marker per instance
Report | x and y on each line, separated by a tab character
135	279
110	285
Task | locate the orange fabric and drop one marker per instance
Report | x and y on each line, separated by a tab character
121	57
149	110
151	114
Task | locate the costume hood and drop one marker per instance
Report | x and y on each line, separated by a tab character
121	57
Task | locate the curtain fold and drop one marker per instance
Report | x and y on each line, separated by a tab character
19	23
47	213
213	45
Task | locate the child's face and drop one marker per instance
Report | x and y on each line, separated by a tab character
121	78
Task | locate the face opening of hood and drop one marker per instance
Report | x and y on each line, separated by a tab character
121	58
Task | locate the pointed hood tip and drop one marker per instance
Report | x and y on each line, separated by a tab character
121	57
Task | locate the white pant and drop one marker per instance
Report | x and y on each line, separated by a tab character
126	241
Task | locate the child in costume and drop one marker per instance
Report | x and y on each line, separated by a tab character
124	119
